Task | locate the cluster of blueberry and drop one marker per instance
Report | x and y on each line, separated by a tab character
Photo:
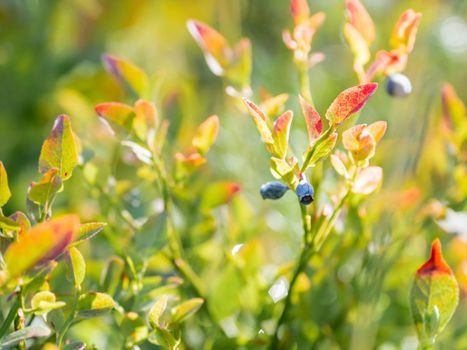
276	189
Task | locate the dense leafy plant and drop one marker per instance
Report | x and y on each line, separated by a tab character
186	262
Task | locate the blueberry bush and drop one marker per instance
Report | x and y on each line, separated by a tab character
287	203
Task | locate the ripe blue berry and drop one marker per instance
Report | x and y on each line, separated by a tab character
273	190
305	192
398	85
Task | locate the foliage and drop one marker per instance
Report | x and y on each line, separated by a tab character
151	223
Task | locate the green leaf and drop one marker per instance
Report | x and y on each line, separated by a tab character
186	309
5	193
42	243
128	74
434	296
44	302
78	267
166	338
89	230
133	328
281	169
60	149
44	191
206	134
157	310
8	225
94	304
24	334
112	276
77	345
322	149
218	193
281	132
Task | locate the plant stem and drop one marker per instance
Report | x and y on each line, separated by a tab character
304	80
69	320
10	317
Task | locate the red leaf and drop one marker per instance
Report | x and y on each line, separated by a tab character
348	102
313	121
436	264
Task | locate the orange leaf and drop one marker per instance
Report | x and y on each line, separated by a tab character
42	243
436	264
145	118
405	31
300	10
387	62
116	112
216	50
360	20
367	180
348	102
359	142
314	124
377	129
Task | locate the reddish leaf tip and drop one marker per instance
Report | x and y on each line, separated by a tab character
436	264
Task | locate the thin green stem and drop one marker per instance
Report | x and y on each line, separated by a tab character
10	317
304	80
69	320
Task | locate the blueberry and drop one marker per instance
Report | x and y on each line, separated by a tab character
273	190
305	192
398	85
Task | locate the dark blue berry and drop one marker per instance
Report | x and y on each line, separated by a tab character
305	192
273	190
398	85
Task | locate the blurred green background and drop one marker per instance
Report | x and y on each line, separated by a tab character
50	63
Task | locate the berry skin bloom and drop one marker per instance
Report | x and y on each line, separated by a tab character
273	190
305	192
398	85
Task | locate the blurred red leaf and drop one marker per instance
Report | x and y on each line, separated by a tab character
40	244
300	10
436	264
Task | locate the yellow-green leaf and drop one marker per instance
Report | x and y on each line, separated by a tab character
260	120
206	134
44	302
78	267
186	309
157	310
128	74
281	132
60	149
94	304
42	243
5	193
89	230
322	149
43	191
434	295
